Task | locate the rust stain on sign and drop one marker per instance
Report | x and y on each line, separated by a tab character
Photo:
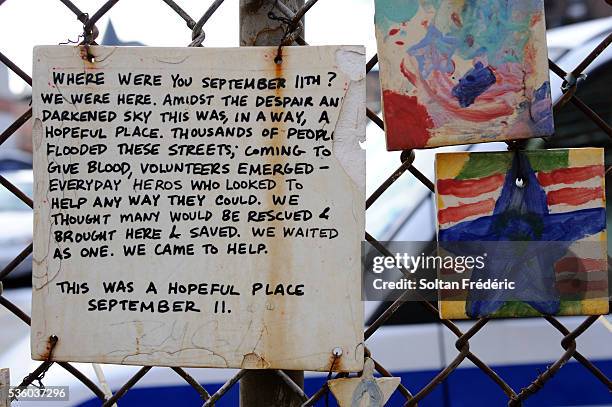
50	345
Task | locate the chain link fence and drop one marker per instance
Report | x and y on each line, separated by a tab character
290	22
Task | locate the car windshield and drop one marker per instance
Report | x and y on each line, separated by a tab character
9	202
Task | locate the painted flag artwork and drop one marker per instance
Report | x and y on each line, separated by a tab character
462	71
551	204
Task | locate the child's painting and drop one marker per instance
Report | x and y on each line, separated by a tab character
552	202
462	71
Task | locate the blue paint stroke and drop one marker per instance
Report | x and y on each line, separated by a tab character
541	111
473	84
521	214
496	29
434	52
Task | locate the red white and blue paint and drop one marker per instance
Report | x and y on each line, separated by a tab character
556	211
462	71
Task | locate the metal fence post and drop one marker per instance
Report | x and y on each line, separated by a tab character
265	388
5	382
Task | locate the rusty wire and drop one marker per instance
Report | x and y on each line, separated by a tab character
568	345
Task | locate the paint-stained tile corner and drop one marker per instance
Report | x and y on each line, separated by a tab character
461	71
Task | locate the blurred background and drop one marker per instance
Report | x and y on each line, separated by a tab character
563	12
414	345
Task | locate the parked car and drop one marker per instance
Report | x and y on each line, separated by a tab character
15	223
12	159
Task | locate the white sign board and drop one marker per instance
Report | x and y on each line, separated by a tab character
199	207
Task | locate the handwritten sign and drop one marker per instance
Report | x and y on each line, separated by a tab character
199	207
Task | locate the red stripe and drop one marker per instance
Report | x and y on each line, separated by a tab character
457	213
578	265
579	286
471	187
570	175
573	196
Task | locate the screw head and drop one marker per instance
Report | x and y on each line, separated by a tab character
337	352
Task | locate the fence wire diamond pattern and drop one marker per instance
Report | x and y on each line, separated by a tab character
567	346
